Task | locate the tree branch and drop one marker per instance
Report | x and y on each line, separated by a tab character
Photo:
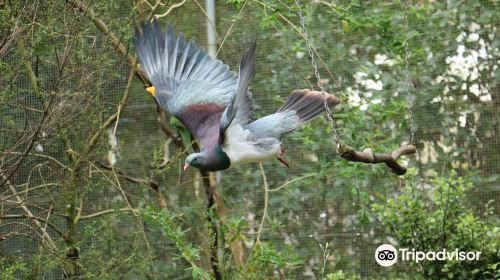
170	9
31	74
54	160
15	216
266	203
154	186
33	137
367	156
115	41
45	236
104	212
120	47
93	140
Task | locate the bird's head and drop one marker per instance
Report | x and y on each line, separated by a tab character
151	90
195	160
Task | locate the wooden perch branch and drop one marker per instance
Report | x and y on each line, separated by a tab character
367	156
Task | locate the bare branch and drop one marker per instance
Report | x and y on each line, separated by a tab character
170	9
120	47
117	43
54	227
108	211
93	140
57	162
231	27
301	35
367	156
33	137
31	74
45	236
154	186
266	202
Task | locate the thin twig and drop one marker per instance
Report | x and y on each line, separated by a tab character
45	236
303	36
231	27
170	9
108	211
93	140
124	100
115	41
4	198
154	186
206	15
119	186
31	74
22	107
46	221
57	162
266	202
290	182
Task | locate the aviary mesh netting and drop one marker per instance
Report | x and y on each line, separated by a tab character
92	185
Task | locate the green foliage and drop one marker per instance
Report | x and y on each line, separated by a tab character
236	3
340	275
267	260
169	225
436	216
41	263
11	269
183	133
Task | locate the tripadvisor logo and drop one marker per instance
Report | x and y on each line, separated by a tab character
387	255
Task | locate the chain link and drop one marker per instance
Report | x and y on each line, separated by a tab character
316	73
407	74
320	86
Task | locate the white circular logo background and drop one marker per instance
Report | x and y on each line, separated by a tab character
386	255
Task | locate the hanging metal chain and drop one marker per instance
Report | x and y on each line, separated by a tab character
316	73
407	82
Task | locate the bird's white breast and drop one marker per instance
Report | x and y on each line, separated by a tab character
240	147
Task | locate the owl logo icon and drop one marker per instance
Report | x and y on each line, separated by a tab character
386	255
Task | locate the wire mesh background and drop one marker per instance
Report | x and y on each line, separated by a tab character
325	205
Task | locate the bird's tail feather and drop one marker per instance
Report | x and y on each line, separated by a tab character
306	104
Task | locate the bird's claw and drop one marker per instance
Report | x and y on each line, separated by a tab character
281	159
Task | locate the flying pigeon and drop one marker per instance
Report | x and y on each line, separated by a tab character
215	105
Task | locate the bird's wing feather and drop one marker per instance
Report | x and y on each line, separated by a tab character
240	109
300	107
189	84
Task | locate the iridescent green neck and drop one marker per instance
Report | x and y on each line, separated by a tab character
223	161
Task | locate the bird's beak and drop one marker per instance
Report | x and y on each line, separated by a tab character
186	166
151	90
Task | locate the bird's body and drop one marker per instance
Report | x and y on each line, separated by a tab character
215	105
261	140
245	147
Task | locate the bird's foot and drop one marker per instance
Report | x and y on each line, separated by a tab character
281	159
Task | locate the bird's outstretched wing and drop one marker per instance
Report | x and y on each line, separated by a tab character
240	109
189	84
